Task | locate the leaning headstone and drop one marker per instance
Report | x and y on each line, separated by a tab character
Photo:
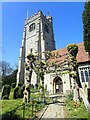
16	92
5	91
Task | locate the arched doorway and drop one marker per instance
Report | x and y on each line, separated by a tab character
57	85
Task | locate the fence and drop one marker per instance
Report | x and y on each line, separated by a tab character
28	110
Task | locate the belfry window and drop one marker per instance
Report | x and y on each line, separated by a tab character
82	76
86	75
31	50
32	27
46	28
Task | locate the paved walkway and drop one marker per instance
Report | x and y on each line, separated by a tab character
54	110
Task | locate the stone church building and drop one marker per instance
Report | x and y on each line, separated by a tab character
38	36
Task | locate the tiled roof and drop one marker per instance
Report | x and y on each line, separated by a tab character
82	55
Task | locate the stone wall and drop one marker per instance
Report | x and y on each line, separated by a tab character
49	79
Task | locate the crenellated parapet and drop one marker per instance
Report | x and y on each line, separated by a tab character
38	36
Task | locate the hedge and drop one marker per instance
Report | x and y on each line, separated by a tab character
18	92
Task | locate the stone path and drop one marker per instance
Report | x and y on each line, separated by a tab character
54	110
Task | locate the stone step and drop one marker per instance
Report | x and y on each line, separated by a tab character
56	95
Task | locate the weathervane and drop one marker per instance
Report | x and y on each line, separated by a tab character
27	14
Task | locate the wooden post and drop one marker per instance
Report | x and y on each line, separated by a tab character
23	111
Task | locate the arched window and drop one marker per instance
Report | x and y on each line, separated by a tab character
32	27
46	28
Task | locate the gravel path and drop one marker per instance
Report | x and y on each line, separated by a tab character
55	110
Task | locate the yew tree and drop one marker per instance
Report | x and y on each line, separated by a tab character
73	50
86	26
86	34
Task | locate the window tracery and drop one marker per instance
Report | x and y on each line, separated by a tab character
84	73
46	28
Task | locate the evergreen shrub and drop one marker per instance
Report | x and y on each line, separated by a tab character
19	84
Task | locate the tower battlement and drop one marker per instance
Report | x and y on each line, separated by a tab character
38	15
38	36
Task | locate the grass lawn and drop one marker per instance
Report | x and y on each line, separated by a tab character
13	108
9	105
75	112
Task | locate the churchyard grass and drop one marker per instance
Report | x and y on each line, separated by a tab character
13	108
79	111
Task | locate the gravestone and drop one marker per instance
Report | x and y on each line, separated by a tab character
5	91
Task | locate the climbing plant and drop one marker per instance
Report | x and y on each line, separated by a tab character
73	50
36	64
40	67
29	66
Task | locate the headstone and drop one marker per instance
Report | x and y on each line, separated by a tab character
5	91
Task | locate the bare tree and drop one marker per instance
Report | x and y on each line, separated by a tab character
6	69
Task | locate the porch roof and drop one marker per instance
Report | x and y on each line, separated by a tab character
62	54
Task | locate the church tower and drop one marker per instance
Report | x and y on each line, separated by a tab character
37	37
